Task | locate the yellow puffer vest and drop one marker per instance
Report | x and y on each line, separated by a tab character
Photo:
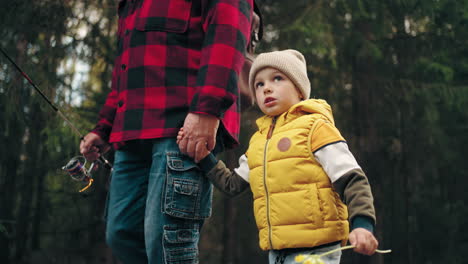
294	203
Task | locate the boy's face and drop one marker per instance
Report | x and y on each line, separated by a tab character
275	92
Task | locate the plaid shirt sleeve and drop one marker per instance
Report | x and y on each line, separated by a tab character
227	27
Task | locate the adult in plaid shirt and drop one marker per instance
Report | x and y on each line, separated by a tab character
177	66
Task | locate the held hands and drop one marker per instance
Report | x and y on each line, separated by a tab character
92	146
364	241
198	135
180	136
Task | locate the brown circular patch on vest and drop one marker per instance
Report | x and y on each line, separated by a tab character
284	144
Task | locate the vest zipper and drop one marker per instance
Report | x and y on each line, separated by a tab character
269	134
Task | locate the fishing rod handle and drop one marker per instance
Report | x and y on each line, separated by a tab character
105	162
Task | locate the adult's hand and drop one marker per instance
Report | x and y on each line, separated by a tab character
364	241
199	135
92	146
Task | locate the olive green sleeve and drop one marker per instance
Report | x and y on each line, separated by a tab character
354	189
226	180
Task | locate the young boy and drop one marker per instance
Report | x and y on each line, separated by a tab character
299	169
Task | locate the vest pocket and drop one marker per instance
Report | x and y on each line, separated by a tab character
187	192
164	15
315	202
330	202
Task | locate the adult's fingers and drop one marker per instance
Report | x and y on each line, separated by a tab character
91	146
191	144
199	127
211	142
183	145
89	151
92	156
84	146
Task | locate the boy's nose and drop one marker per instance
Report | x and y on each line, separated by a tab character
267	88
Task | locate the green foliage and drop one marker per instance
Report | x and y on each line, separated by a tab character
3	230
433	71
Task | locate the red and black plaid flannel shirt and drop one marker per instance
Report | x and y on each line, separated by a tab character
175	57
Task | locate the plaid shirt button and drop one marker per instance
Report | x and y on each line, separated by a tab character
120	103
124	67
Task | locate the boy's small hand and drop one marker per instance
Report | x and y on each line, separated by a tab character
180	135
364	241
203	154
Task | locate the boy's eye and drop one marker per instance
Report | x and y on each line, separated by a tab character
278	78
259	84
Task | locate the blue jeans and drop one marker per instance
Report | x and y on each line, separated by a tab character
158	200
287	256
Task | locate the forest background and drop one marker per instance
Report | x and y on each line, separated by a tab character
395	73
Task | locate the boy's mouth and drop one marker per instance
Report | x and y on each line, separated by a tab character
269	101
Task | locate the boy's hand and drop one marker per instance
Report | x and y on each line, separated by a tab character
181	135
364	241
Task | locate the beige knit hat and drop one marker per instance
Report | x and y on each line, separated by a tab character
290	62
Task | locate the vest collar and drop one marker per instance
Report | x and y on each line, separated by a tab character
311	106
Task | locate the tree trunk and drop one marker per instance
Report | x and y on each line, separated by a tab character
39	196
34	169
366	91
11	139
8	196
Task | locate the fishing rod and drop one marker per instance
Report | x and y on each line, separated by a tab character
76	166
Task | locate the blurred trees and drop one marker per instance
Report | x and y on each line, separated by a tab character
394	72
43	218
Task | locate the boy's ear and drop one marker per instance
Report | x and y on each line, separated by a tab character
301	96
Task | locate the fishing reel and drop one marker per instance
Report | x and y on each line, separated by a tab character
76	168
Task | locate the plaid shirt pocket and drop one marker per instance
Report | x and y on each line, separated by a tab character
164	15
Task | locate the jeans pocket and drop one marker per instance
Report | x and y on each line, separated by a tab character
188	193
181	244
